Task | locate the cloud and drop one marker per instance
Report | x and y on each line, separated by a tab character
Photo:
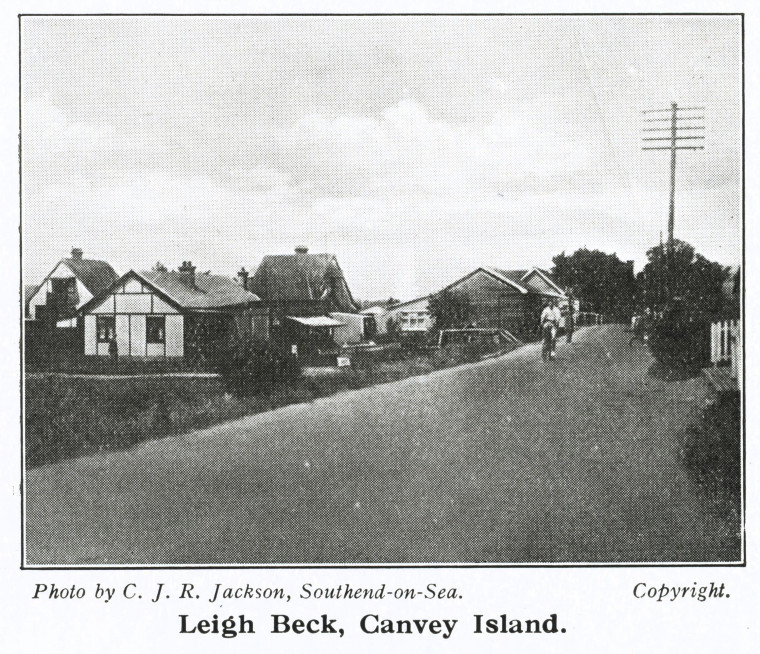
497	85
412	148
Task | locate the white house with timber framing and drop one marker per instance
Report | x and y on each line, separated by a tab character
72	283
166	313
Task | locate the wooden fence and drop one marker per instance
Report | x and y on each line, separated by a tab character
726	346
721	341
588	318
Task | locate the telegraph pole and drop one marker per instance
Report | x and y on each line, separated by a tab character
688	125
682	130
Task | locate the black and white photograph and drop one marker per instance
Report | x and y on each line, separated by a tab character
381	290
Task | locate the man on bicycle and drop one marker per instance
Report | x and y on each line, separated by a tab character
550	318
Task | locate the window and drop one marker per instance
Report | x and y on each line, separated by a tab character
106	328
155	329
413	320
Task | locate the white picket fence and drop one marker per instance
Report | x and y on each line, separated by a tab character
721	337
588	318
726	346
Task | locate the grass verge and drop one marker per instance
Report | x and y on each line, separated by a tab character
712	454
71	417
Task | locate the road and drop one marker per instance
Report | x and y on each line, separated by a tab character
506	460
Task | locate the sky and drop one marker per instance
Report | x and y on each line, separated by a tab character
414	148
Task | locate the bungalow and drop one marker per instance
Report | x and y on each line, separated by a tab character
499	299
175	313
71	283
301	291
508	299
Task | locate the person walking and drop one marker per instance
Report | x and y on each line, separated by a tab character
113	351
570	318
640	327
550	318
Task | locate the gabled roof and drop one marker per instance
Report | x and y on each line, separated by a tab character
408	302
302	277
209	292
94	274
516	279
511	277
500	275
546	277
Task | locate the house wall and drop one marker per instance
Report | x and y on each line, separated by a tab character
175	337
412	316
130	304
352	331
252	321
260	324
61	271
381	320
90	337
494	303
138	346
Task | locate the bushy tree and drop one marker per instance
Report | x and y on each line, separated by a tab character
602	282
450	310
249	365
682	275
685	291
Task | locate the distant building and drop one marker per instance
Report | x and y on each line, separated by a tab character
380	314
411	316
499	299
509	299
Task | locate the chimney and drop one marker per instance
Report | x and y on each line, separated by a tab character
301	249
76	254
243	277
187	274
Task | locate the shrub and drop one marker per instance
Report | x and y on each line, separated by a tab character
712	447
450	309
680	338
250	366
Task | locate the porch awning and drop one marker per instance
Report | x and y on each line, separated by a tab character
317	321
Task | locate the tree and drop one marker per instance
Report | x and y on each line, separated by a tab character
685	291
601	281
688	277
450	310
